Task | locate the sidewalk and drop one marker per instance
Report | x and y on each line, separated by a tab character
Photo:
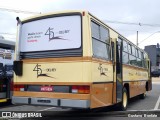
155	79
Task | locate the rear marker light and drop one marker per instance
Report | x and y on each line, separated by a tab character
74	89
19	87
81	89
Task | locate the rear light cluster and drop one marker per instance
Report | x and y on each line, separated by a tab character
19	87
81	89
78	89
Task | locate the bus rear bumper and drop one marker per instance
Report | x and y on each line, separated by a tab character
52	102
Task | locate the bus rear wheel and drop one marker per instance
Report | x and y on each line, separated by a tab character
124	102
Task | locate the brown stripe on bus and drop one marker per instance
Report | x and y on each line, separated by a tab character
52	95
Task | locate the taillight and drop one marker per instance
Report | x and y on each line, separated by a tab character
19	87
74	89
81	89
86	89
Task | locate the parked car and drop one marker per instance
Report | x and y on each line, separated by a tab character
155	73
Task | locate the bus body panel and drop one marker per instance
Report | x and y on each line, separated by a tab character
136	78
65	72
51	72
102	83
102	71
101	95
131	73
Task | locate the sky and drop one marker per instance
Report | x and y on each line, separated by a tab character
136	15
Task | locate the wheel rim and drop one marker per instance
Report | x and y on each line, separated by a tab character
124	100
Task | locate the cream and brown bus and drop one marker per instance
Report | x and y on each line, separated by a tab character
72	59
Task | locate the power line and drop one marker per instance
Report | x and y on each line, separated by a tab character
148	37
18	11
130	23
146	31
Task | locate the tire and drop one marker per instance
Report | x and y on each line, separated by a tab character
142	96
124	103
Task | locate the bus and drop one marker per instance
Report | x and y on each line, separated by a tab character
6	70
72	59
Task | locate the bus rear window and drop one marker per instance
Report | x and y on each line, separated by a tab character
57	33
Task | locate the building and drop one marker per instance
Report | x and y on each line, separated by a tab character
154	55
6	44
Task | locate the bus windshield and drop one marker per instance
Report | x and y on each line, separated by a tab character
49	34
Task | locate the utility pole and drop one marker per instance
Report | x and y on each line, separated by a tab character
137	38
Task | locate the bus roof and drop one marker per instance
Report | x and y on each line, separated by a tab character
52	13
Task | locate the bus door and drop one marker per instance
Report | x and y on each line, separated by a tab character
119	83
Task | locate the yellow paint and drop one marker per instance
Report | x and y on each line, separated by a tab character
3	100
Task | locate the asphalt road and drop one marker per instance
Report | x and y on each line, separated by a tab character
148	108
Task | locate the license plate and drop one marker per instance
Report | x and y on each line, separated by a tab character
46	88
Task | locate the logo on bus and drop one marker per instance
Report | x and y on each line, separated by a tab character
51	34
40	73
102	70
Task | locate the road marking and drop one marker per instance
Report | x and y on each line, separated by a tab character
47	109
155	110
144	110
156	82
157	104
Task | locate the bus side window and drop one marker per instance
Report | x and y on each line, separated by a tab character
100	41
